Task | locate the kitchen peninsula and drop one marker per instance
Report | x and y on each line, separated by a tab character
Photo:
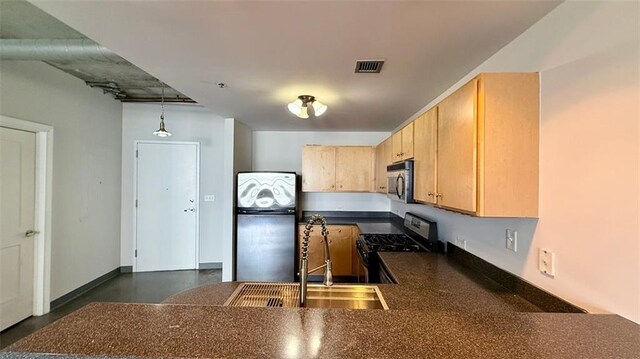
440	307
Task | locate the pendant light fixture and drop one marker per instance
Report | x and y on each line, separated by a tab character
300	107
161	132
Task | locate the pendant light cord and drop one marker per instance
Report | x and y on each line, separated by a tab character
162	103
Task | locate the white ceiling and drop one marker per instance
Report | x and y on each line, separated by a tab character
270	52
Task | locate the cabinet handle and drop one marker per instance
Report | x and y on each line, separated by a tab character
438	195
333	186
430	194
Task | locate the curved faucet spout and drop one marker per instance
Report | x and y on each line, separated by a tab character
304	260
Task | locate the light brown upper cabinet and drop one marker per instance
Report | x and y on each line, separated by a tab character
383	159
488	140
337	168
425	145
407	142
457	154
354	168
318	169
403	143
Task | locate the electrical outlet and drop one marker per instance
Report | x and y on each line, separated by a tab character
512	240
546	262
209	198
460	242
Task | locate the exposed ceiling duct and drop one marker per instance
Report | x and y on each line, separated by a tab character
55	50
98	66
30	34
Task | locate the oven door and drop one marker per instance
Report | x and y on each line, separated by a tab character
367	266
385	275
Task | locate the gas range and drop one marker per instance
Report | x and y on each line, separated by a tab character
422	236
389	243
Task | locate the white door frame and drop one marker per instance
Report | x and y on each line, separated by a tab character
135	197
43	191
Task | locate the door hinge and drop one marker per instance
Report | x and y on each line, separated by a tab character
136	153
135	253
136	203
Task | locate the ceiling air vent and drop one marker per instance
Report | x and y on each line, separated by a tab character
369	66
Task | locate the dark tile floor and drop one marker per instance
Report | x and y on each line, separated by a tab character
151	287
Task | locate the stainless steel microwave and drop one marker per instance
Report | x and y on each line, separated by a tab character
400	181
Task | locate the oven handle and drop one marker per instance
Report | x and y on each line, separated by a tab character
362	261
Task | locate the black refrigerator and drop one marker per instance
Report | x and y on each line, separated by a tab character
266	226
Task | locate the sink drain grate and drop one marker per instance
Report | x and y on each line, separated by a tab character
265	295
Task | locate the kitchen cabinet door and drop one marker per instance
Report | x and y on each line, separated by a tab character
424	156
388	151
318	169
407	142
396	145
315	254
354	169
341	243
457	149
381	167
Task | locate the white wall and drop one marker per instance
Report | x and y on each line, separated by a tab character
85	241
243	147
282	151
237	157
187	123
588	57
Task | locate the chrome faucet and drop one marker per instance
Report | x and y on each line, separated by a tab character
304	260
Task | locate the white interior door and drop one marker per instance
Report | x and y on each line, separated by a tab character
17	216
167	206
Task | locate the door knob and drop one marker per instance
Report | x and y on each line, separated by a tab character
190	209
31	233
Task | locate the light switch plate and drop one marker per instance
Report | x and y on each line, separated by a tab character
209	198
546	262
512	240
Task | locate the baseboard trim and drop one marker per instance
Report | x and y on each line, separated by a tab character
211	265
537	296
56	303
126	269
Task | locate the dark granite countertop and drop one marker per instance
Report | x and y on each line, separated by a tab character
439	308
426	281
367	222
144	330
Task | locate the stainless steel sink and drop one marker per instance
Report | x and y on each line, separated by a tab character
318	296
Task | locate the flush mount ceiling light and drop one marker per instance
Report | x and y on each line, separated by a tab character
300	107
161	132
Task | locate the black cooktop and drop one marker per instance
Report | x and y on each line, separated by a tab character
389	243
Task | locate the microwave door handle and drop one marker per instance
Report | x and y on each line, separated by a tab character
398	186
